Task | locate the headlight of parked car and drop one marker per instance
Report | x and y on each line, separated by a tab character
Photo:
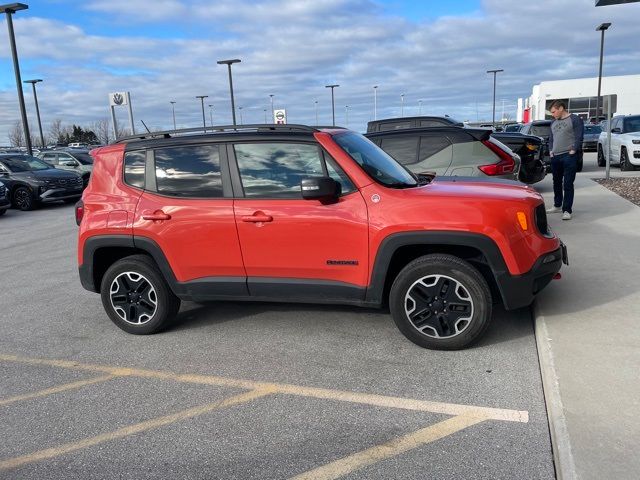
636	142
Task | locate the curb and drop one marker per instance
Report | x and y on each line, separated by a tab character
560	443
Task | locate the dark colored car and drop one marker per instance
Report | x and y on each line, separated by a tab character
31	181
4	199
591	135
389	124
530	149
542	129
512	127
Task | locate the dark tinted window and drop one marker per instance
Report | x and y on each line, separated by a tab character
50	158
276	170
385	127
402	149
134	168
540	130
84	158
433	123
592	129
632	124
25	163
430	145
189	171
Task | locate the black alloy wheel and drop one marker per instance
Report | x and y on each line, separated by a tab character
625	165
136	296
441	302
601	161
23	199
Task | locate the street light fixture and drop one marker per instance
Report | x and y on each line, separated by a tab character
333	103
375	102
35	97
9	9
493	121
173	111
316	104
602	28
204	122
402	104
240	110
346	111
271	98
228	63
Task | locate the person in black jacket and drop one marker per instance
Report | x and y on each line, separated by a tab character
565	142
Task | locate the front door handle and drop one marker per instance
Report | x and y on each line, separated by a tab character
257	218
157	215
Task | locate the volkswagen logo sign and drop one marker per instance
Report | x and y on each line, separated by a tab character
118	99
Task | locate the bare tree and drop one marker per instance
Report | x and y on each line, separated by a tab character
16	135
102	129
56	131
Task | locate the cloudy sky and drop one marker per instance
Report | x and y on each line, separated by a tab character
435	52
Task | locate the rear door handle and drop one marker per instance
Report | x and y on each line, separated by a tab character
257	218
157	215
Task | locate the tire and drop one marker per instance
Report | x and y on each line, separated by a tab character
70	200
424	284
23	199
3	211
625	165
136	296
601	160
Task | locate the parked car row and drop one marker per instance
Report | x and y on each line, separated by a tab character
625	143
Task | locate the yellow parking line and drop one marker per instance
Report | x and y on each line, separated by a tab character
485	413
132	429
389	449
57	389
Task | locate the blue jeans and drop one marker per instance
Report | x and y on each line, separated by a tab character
563	167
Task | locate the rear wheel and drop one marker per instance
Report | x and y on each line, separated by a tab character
601	161
136	296
441	302
23	199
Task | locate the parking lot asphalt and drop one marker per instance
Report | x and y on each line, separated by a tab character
251	390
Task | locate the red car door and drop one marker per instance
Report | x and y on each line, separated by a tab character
291	246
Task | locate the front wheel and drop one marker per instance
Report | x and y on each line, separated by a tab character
23	199
136	296
625	165
441	302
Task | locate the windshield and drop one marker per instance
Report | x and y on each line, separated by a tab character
375	162
25	163
632	124
541	130
84	158
592	129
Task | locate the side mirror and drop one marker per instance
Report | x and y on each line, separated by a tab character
616	130
320	188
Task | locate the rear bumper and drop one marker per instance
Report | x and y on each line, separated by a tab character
519	290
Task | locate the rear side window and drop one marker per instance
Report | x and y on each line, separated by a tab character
402	149
189	171
134	163
276	170
385	127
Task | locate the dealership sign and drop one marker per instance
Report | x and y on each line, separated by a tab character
279	116
118	98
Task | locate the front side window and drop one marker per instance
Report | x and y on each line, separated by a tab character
189	171
25	163
276	170
374	161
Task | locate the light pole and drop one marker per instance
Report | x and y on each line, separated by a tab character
402	104
375	102
502	117
419	107
265	115
346	112
35	97
228	63
173	111
211	114
204	122
9	9
602	28
271	98
316	104
493	122
333	103
240	110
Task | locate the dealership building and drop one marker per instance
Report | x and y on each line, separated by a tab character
580	95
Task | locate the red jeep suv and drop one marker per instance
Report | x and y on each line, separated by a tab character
292	213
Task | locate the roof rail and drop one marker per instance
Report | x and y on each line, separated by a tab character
218	129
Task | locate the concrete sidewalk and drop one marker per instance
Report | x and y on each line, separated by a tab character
588	334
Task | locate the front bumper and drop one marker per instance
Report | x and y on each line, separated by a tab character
519	290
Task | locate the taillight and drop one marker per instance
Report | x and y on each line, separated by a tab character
79	211
506	164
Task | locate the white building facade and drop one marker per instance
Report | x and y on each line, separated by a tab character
580	94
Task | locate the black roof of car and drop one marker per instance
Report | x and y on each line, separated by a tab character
476	133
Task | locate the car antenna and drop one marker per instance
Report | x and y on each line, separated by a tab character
145	126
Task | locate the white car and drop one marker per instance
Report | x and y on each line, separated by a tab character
625	143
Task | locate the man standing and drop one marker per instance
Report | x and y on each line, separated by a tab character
565	142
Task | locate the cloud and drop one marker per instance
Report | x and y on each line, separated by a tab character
293	48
